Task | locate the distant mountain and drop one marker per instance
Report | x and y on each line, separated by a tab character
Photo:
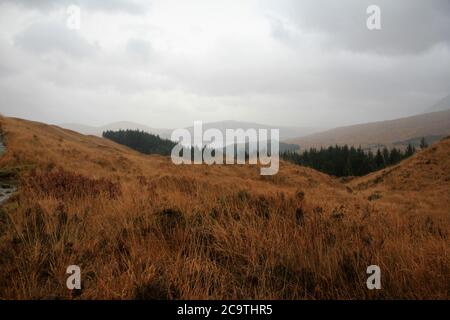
382	133
285	132
123	125
443	104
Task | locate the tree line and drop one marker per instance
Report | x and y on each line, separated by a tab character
336	160
148	143
344	161
141	141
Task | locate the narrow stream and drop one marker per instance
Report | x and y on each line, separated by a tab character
2	147
6	191
7	188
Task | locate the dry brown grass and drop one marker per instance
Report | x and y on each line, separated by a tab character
143	228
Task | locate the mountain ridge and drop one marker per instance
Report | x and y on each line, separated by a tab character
286	132
380	133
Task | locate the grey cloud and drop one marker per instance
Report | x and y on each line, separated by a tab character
294	63
43	38
279	29
408	26
130	6
140	49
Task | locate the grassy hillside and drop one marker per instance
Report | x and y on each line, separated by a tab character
383	133
419	186
141	228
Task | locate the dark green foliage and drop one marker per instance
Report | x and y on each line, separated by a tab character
348	161
423	143
141	141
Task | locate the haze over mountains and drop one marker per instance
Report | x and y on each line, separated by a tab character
433	125
443	104
285	132
97	131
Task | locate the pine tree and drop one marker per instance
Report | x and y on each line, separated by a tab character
395	156
344	161
386	156
423	143
410	150
379	160
141	141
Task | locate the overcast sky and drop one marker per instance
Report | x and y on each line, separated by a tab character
166	63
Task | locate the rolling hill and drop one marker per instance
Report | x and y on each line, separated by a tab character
398	132
142	228
122	125
419	185
285	132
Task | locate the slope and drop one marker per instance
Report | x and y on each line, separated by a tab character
420	184
387	133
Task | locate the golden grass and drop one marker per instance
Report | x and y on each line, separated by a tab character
142	228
